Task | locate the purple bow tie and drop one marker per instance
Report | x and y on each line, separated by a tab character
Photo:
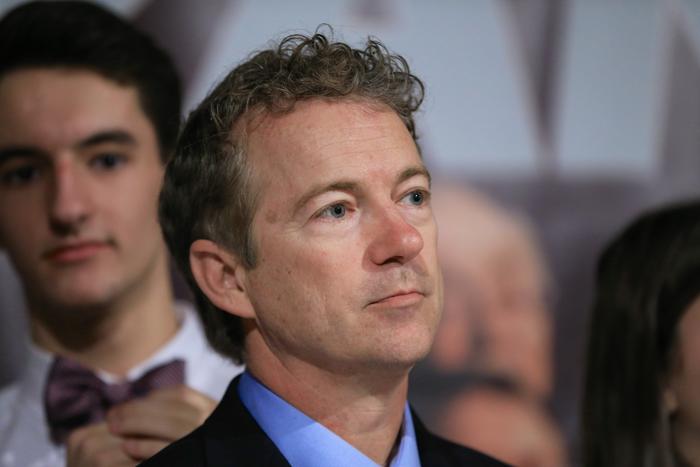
75	397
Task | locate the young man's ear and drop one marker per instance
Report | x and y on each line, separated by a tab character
669	400
220	275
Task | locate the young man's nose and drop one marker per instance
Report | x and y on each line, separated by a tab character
69	198
395	239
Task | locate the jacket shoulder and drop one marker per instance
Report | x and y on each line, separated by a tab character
230	433
435	451
450	454
185	452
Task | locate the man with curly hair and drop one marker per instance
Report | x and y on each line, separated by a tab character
298	206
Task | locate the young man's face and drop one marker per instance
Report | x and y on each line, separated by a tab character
80	174
347	273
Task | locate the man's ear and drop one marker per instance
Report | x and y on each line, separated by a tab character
221	276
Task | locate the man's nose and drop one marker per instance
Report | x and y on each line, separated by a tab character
69	200
395	239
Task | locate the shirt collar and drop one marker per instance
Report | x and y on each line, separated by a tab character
306	443
188	341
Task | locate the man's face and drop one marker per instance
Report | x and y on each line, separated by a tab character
79	178
347	273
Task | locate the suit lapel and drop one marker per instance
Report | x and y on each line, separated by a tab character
427	451
232	435
438	452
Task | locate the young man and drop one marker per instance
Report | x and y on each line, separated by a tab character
89	112
297	202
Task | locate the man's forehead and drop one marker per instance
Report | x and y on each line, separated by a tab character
308	117
61	108
327	145
317	128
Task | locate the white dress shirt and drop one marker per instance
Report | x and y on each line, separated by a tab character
24	434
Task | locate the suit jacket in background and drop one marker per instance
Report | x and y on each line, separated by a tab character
231	437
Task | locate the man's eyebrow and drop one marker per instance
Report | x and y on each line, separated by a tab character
413	172
108	136
17	152
319	189
410	172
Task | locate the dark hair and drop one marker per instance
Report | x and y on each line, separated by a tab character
646	279
207	193
71	34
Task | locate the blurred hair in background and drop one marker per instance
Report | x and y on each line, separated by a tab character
641	404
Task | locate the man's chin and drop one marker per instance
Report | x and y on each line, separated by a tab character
73	298
402	360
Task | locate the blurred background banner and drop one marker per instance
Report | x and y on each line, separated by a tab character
561	119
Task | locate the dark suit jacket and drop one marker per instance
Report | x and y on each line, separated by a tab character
230	437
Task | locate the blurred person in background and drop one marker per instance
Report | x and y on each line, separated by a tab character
89	114
489	374
496	319
641	403
501	421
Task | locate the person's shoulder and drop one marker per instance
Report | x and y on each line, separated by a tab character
24	437
185	452
9	398
9	392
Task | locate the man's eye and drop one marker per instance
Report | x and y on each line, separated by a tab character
107	161
337	211
18	176
416	197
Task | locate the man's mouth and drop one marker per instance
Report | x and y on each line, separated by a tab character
402	298
76	252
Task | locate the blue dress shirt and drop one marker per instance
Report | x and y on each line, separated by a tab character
306	443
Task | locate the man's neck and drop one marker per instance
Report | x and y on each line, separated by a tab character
364	408
116	336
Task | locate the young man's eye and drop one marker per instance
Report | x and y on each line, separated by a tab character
19	176
336	211
107	161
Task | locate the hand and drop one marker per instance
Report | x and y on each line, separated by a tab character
95	446
149	424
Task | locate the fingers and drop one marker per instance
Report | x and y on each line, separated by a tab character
138	429
165	415
185	394
96	446
142	449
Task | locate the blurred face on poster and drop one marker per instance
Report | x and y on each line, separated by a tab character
495	318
